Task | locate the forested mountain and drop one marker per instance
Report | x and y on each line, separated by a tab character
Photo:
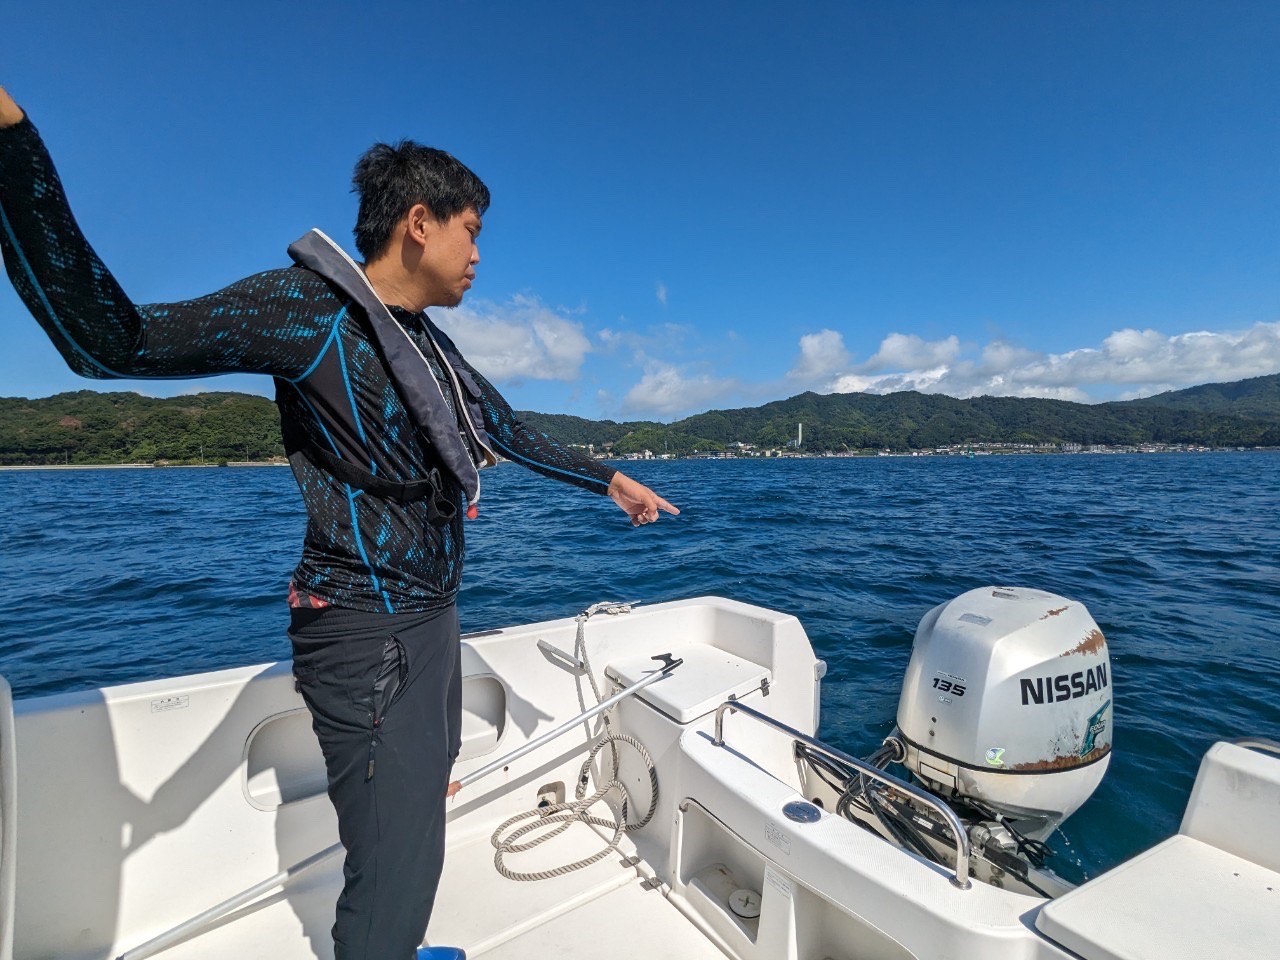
1258	398
1228	414
91	427
913	420
578	430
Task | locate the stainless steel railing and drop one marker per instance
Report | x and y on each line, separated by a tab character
963	852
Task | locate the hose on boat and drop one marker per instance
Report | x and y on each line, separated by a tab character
556	818
855	789
1035	851
898	821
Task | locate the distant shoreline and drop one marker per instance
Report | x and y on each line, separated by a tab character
897	455
100	429
140	466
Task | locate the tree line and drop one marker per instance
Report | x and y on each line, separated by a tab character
1241	414
88	427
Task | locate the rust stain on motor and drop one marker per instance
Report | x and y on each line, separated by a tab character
1093	642
1053	613
1065	762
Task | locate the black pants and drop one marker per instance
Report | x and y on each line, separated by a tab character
385	695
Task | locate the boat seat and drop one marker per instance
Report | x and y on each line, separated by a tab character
8	819
709	677
1212	872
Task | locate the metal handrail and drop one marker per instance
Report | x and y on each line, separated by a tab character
963	850
1257	743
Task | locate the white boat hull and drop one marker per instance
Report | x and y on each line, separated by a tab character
138	807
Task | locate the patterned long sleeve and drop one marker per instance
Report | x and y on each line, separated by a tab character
262	324
538	451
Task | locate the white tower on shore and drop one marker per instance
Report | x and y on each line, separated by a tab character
799	434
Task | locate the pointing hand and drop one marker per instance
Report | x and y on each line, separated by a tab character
636	500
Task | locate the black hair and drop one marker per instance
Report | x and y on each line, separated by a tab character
391	179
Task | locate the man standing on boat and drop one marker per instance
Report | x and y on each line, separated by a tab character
386	425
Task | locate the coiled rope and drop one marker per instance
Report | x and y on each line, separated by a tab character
550	821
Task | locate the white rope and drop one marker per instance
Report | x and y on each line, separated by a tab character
553	820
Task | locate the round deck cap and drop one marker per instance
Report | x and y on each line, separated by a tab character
801	811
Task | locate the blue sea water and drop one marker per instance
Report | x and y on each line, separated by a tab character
115	576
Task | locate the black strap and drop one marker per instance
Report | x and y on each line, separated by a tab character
440	509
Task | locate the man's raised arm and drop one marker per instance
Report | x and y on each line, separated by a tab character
254	326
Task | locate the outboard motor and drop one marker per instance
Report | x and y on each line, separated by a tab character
1006	707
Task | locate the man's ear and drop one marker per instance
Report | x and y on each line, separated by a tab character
419	224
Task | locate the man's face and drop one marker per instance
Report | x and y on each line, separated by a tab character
449	257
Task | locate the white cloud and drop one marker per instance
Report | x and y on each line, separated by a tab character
926	381
1000	355
822	356
609	338
661	293
1143	361
657	338
1147	360
666	391
520	339
906	351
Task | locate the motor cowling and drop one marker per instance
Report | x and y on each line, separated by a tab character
1007	702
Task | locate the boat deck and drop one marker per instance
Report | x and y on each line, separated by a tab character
147	805
633	922
482	911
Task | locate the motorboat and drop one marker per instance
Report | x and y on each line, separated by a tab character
642	781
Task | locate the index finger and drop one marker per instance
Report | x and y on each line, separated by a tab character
669	508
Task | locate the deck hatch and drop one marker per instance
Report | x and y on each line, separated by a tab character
707	678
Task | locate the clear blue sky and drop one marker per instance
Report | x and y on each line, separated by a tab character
709	204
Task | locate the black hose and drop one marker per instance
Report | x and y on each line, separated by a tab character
906	832
856	789
1036	852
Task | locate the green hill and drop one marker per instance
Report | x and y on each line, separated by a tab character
580	431
90	427
1258	398
919	421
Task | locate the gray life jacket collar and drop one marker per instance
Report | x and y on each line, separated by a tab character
408	368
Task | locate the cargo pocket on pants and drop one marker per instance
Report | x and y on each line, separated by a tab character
387	688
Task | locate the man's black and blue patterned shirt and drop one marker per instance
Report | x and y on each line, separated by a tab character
332	388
